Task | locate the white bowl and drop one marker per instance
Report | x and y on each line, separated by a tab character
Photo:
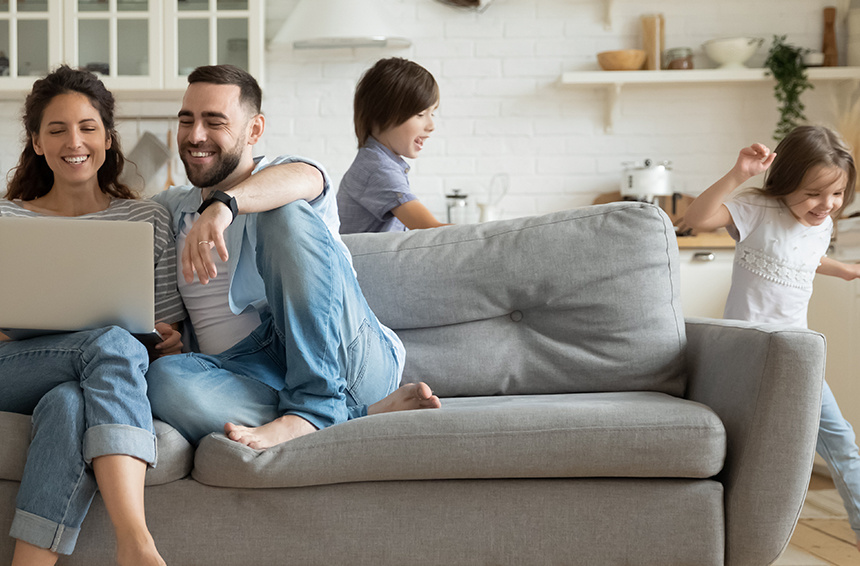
732	52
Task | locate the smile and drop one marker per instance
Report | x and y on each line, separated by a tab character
77	160
201	153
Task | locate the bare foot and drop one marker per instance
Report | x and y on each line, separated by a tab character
137	551
407	398
270	434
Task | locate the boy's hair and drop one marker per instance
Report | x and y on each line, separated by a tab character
389	93
249	90
802	149
32	177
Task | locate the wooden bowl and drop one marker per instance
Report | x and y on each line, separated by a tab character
621	60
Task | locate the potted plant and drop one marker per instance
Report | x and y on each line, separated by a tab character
785	63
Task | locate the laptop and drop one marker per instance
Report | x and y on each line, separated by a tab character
64	275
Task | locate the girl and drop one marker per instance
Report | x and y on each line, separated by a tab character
393	114
782	233
92	423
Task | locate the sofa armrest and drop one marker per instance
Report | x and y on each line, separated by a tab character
765	382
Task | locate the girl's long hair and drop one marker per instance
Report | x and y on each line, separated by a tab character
32	178
802	149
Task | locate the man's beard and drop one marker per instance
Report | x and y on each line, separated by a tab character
227	163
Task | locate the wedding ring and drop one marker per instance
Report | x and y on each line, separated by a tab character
203	242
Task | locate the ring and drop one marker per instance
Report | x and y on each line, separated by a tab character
203	242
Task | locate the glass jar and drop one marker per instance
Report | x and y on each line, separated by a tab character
678	58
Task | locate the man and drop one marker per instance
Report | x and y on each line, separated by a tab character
288	343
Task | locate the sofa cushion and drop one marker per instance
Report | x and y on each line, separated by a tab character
175	454
635	434
584	300
15	432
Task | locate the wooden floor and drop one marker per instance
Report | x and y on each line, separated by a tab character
822	536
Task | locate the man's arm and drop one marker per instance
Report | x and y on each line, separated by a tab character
267	189
277	185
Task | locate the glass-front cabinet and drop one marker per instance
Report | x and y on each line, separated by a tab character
134	44
30	40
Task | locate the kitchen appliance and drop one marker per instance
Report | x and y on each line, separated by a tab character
647	180
458	207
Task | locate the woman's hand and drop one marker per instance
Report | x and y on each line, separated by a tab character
171	340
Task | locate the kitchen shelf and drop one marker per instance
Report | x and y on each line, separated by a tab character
614	81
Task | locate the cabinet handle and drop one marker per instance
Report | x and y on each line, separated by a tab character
704	256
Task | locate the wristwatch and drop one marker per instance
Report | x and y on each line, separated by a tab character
222	197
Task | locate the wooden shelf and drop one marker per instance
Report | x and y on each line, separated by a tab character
614	81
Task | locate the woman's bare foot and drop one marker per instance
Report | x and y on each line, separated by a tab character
270	434
137	551
407	398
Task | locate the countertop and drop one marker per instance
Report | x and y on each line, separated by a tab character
718	239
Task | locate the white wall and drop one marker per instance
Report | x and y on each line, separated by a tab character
504	110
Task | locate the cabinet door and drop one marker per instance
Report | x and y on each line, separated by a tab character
833	312
119	39
31	43
212	32
706	276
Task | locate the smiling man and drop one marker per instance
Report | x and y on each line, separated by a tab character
278	322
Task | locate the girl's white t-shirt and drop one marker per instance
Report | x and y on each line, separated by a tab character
775	261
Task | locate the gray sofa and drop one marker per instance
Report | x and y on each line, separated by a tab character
584	421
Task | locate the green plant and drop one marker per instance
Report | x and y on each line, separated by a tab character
785	63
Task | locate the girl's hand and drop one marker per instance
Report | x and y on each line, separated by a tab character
754	160
171	340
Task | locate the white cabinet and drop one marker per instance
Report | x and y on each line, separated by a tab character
706	275
833	311
140	45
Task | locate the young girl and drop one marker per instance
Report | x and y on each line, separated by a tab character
782	233
393	114
92	421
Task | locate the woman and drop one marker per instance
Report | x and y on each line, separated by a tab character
92	423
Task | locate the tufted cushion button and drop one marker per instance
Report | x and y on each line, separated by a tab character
516	316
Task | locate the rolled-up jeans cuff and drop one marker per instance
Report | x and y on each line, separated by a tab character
43	533
108	439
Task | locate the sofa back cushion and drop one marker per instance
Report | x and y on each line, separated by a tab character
583	300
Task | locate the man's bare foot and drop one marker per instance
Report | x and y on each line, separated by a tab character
407	398
270	434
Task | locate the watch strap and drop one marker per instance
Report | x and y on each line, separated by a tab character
224	198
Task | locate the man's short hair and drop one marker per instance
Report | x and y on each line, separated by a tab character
249	91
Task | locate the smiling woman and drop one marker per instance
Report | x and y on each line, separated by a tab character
86	391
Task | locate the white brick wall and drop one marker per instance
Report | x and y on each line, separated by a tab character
504	110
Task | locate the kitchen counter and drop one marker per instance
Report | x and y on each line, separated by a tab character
717	239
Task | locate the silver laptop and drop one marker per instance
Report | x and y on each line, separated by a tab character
60	274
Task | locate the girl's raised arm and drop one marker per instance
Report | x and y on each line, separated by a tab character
707	211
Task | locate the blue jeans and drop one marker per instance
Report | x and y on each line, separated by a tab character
838	446
87	394
319	352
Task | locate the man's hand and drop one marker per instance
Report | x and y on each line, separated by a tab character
205	234
171	340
